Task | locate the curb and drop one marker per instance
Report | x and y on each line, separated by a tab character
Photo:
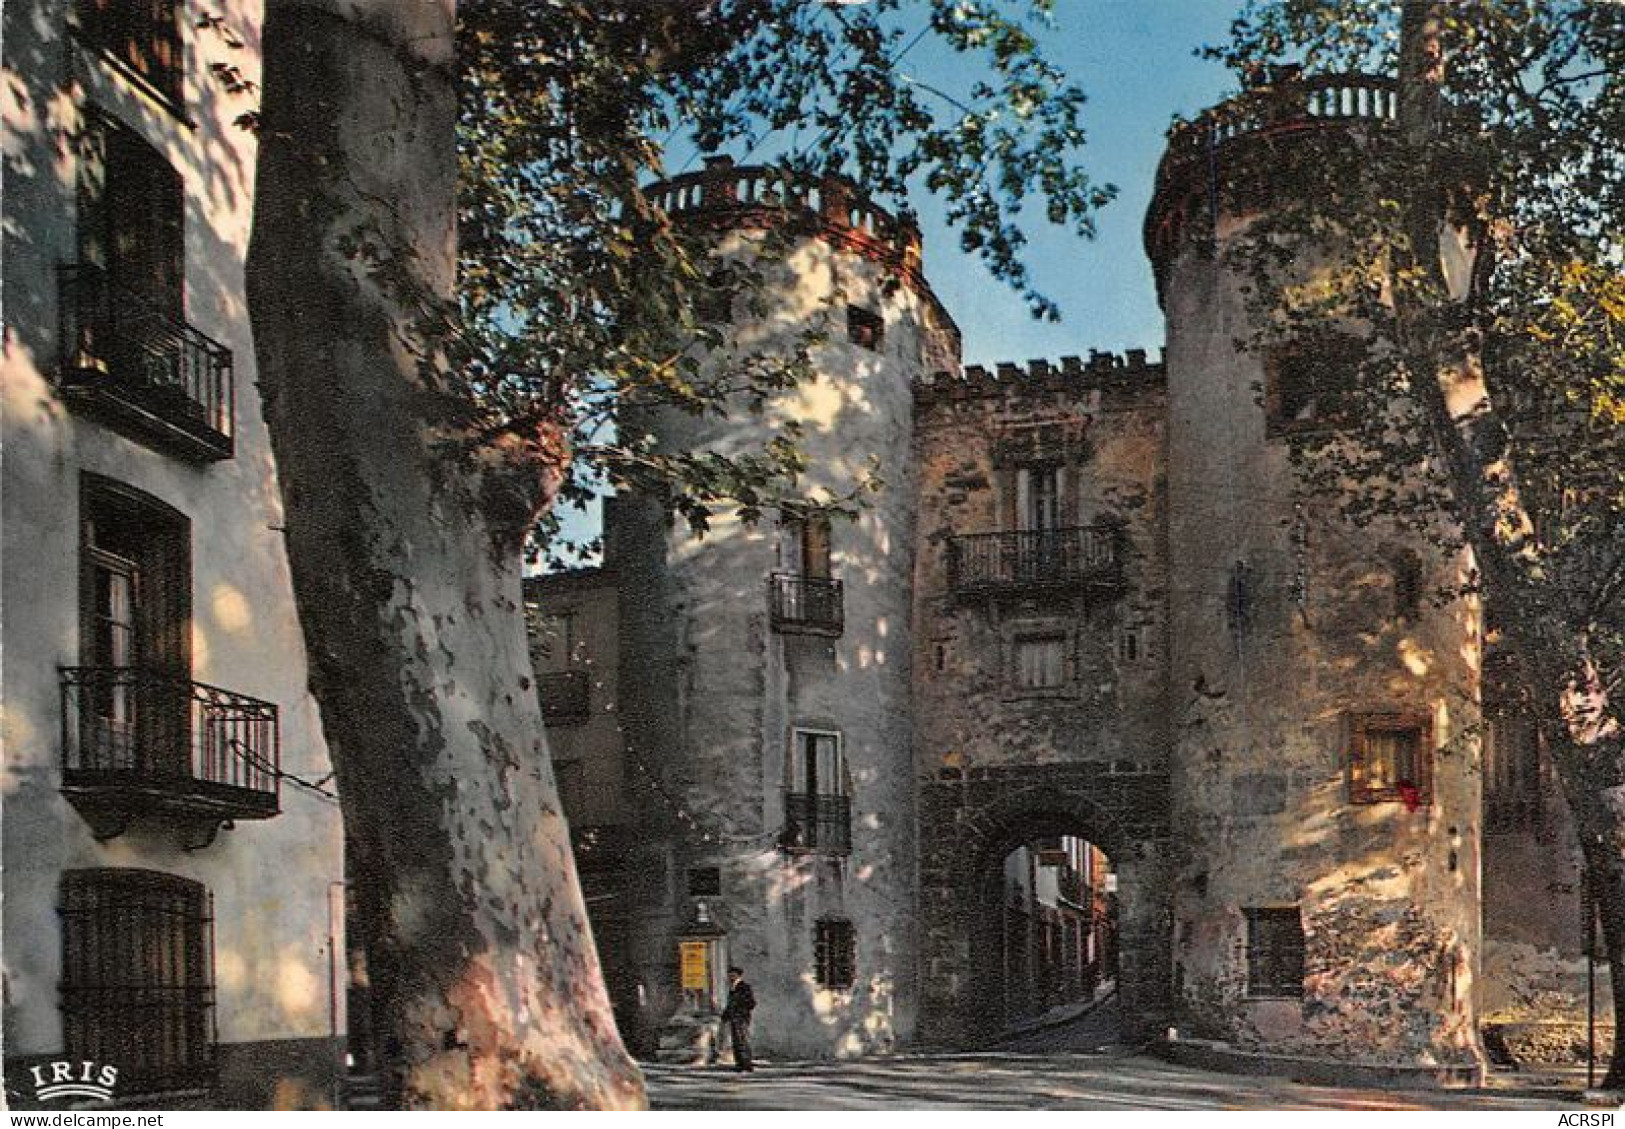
1205	1055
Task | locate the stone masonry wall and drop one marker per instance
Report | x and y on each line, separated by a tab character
997	762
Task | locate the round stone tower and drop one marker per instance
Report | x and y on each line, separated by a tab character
765	668
1324	703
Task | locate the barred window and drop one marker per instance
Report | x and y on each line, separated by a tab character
834	952
138	977
1275	953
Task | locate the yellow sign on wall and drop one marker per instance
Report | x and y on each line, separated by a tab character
693	962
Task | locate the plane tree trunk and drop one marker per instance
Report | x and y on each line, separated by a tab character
403	530
1562	686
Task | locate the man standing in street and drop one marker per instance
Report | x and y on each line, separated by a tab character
736	1014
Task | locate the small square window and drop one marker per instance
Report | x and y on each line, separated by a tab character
1275	953
1406	569
1134	644
1040	663
864	328
1390	759
834	953
714	300
704	882
1308	384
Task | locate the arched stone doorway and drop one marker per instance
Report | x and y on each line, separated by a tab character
1056	927
971	821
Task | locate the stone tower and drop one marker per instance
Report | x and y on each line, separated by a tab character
765	668
1324	707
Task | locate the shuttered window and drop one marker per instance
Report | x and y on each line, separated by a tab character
1390	759
141	36
132	218
1040	663
135	584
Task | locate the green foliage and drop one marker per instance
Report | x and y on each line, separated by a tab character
581	300
1527	162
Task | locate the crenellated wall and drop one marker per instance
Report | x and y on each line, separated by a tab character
996	759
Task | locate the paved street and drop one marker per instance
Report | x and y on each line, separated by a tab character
1006	1080
1075	1065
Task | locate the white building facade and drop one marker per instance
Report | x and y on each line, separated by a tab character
173	847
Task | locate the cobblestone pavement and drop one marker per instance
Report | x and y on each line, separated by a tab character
1003	1080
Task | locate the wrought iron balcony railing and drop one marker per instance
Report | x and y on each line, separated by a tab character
139	741
806	605
566	695
1040	558
143	369
817	822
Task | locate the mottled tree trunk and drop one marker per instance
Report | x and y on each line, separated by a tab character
403	536
1570	702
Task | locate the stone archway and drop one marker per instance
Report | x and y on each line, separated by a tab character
970	820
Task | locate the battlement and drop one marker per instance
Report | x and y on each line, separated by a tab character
730	196
1209	154
1125	371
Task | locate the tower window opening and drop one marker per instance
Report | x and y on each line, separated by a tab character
813	538
704	882
864	328
714	301
1407	578
143	38
1134	644
1389	759
1309	383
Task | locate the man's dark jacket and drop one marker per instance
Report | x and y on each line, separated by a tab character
741	1002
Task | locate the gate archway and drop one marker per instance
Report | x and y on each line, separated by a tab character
970	822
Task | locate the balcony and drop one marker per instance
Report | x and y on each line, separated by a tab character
142	370
806	605
141	742
991	563
566	695
817	822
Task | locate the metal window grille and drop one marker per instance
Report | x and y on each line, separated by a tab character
1083	556
835	953
817	823
806	605
138	977
1275	952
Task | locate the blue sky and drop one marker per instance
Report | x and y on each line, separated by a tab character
1134	59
